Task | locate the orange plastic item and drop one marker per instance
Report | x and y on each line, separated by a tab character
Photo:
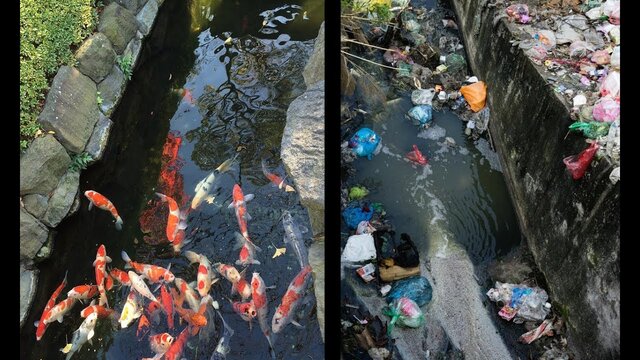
475	94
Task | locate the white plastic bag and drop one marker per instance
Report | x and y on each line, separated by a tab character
359	248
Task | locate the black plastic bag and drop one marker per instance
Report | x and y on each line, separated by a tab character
406	253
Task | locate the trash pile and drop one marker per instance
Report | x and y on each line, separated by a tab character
579	47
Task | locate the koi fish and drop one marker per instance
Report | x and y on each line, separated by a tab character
238	283
205	186
188	293
205	277
196	319
41	327
247	251
152	310
416	156
131	311
175	350
290	301
176	220
100	264
143	323
152	272
246	310
242	287
59	311
160	344
259	298
84	333
100	311
239	201
229	272
101	202
293	237
83	292
223	347
275	179
140	286
121	276
167	305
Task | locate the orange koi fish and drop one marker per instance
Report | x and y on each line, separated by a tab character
101	311
152	272
176	220
100	264
143	323
121	276
175	350
41	326
275	179
187	292
239	203
259	299
160	344
59	310
167	305
247	251
290	301
101	202
246	310
83	292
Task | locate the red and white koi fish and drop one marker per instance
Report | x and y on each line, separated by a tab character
167	305
83	292
238	283
246	310
102	278
242	287
59	311
100	311
176	220
121	276
416	156
205	186
247	251
160	344
143	323
189	294
290	301
131	310
228	272
175	350
205	277
259	299
140	286
40	325
152	272
101	202
275	179
239	203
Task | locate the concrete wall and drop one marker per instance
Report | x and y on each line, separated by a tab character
572	227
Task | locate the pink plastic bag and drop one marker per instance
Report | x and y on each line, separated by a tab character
578	164
611	85
606	109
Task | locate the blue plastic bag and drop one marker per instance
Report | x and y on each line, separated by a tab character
517	296
353	215
422	113
416	288
364	142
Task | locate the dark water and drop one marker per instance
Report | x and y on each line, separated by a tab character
162	142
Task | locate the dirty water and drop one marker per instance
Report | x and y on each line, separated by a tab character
166	141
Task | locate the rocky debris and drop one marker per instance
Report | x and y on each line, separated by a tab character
119	25
147	16
28	286
98	141
62	198
71	109
302	151
42	165
111	90
35	204
32	235
133	51
314	70
96	57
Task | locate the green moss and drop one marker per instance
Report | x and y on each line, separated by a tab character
49	30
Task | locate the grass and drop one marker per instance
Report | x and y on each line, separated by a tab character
125	63
80	161
50	31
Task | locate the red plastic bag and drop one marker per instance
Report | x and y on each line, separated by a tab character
578	164
416	156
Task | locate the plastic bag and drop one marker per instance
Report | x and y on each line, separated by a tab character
475	94
455	62
578	164
615	58
416	156
364	227
611	85
416	288
580	48
358	192
404	312
421	113
600	57
353	215
612	9
606	109
546	38
359	248
519	13
422	96
592	129
537	52
406	254
364	142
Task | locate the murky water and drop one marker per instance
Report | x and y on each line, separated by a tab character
165	140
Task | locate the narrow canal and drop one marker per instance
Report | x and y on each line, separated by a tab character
214	81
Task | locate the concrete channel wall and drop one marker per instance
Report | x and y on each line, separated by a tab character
572	227
75	117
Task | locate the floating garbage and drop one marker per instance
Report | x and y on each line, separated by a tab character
423	114
404	312
353	215
358	192
475	94
611	85
579	100
546	328
359	248
519	13
521	302
416	156
591	129
606	109
364	143
366	272
416	288
578	164
364	227
422	96
455	62
615	175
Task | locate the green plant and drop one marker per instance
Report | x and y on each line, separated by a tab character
48	31
99	98
80	161
125	63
